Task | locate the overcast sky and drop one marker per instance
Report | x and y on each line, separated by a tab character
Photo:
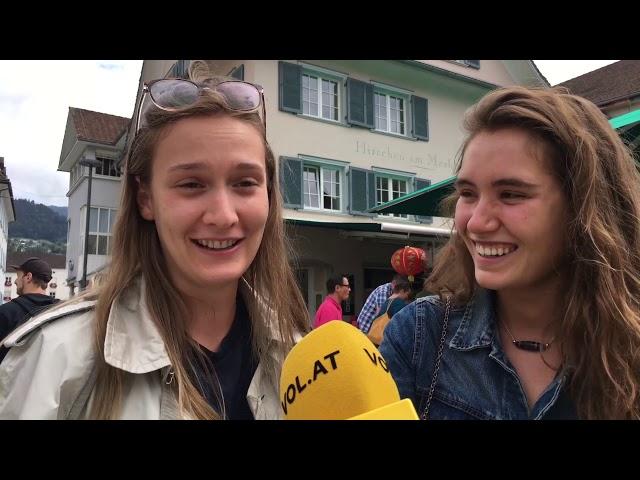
35	97
558	71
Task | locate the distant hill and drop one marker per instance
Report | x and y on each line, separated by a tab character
37	221
62	211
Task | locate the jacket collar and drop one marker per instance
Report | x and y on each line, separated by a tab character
478	320
133	342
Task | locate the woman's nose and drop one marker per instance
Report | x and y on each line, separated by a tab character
221	210
483	218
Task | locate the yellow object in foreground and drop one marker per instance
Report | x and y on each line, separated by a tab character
402	410
336	373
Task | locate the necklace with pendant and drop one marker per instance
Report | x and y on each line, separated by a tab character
528	345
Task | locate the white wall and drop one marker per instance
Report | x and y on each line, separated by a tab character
5	217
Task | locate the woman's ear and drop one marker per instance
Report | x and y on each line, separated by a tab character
145	203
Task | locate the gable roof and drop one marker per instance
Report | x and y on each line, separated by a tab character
55	260
98	127
616	81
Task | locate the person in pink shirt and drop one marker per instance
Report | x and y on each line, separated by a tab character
330	309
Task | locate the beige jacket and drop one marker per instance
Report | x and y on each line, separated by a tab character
49	373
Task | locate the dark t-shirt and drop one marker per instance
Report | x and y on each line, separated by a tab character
234	365
397	304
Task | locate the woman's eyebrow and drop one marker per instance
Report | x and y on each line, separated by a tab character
502	182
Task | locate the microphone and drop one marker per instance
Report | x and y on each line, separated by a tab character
336	373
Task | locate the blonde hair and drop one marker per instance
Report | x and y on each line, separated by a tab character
600	330
274	301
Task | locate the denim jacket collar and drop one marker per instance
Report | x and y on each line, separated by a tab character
478	321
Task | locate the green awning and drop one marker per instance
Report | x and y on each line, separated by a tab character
423	202
628	126
358	227
626	119
374	226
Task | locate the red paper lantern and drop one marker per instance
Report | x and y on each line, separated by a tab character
409	261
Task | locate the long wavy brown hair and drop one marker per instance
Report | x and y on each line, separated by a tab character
275	303
600	330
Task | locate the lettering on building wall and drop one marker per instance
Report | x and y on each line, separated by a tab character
428	161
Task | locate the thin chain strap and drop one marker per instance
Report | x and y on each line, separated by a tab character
425	414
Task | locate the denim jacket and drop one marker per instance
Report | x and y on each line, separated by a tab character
475	380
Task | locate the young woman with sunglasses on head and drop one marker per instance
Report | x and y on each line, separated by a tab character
199	305
538	315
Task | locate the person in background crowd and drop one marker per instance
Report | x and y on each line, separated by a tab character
331	308
32	279
371	307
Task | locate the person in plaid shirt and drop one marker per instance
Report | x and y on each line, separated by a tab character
374	302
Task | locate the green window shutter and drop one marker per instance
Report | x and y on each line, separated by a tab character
360	103
371	189
290	87
182	69
291	181
238	72
473	63
419	184
359	190
369	104
420	117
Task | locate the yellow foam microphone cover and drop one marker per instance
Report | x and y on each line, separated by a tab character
335	373
402	410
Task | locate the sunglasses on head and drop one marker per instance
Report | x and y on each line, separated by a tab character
174	94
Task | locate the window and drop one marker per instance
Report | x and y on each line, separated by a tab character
107	168
390	113
469	63
320	97
327	198
76	173
316	92
388	188
100	228
180	69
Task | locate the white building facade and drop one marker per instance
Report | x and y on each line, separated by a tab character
96	137
7	215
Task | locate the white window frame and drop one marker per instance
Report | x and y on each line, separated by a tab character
388	93
392	91
112	212
331	76
391	177
324	165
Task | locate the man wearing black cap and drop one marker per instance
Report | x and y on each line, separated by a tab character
33	277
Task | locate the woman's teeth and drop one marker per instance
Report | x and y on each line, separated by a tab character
217	245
